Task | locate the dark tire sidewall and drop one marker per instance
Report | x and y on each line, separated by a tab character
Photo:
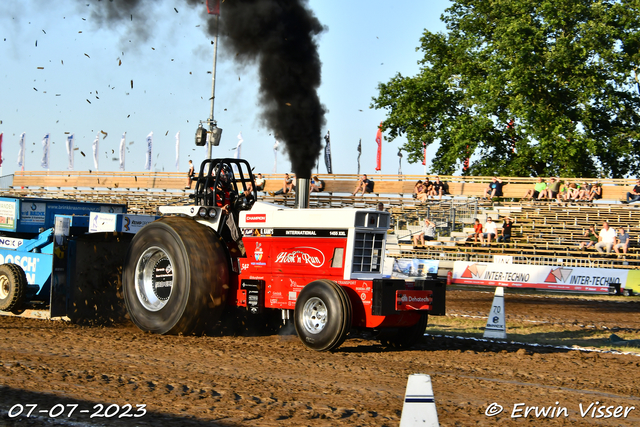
200	276
165	319
332	334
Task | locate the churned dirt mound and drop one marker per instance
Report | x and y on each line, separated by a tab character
48	367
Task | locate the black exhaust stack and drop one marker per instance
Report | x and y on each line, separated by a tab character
302	193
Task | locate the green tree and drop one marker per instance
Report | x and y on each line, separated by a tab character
562	72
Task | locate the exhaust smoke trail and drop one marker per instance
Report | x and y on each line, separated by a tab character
277	35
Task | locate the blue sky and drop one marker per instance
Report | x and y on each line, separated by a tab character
84	86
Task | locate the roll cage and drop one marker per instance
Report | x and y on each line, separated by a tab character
214	172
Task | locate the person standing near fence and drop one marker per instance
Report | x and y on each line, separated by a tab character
190	175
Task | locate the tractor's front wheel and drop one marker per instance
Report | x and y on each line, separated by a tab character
176	276
13	286
323	315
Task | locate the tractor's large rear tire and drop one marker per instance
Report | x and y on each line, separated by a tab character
176	277
404	337
323	315
13	286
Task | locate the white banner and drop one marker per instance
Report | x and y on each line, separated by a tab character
178	152
21	152
70	151
122	142
96	146
45	152
575	279
147	164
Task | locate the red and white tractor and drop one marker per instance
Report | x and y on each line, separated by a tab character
322	268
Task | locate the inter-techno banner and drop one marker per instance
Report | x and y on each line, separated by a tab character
577	279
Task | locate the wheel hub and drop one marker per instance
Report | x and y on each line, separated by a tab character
154	278
4	287
314	315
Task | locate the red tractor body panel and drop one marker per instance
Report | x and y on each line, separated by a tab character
283	255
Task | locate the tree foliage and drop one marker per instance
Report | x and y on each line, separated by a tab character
562	72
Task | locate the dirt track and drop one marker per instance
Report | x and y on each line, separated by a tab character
274	381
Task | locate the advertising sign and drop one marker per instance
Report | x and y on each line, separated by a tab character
102	222
8	215
576	279
404	268
32	213
134	223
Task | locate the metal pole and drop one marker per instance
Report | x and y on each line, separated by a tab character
213	88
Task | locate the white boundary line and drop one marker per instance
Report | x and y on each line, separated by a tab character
559	347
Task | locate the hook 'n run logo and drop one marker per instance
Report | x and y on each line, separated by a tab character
302	255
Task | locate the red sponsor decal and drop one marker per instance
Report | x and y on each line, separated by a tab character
407	300
256	218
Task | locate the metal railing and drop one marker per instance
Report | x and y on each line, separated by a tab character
6	182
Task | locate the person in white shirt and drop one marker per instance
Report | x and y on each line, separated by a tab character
428	233
606	239
490	231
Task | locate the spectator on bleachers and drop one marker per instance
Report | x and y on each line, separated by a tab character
365	185
596	192
538	191
420	191
428	187
591	234
494	189
572	193
428	233
634	194
316	185
490	231
585	191
622	242
287	185
260	182
417	188
553	189
477	231
507	225
606	239
438	188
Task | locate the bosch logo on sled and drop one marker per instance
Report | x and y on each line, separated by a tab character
28	263
302	255
256	218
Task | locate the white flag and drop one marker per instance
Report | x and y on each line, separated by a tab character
96	144
45	152
147	164
21	152
237	155
275	156
240	141
178	152
122	141
70	151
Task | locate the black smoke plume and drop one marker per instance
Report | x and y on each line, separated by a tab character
278	35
